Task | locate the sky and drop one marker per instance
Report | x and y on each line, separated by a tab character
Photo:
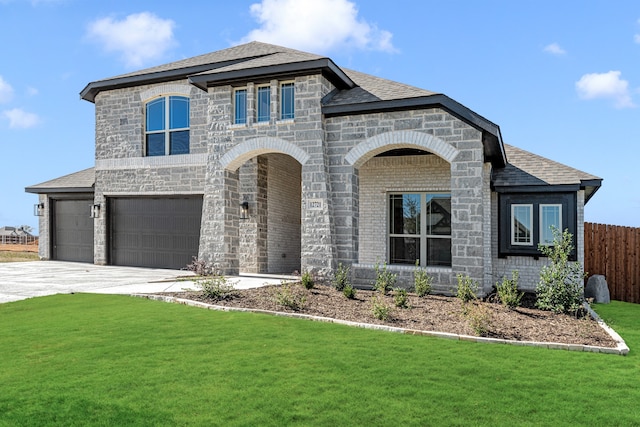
561	79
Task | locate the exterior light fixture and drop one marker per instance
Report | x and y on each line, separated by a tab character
244	210
38	209
95	211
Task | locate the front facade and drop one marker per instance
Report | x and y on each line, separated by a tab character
263	159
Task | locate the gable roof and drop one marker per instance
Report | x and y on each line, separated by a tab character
77	182
528	172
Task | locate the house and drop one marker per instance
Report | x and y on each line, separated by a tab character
15	235
264	159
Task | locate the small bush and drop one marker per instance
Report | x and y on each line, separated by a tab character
560	288
307	280
467	288
217	287
341	278
200	267
385	280
508	293
401	298
287	296
480	319
349	291
380	308
421	281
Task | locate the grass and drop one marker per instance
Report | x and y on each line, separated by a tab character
13	256
113	360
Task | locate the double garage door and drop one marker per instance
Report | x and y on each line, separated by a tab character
154	232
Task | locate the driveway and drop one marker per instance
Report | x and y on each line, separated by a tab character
21	280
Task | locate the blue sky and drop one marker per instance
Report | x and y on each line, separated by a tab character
561	79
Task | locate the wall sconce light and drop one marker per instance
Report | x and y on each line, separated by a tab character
38	209
95	211
244	210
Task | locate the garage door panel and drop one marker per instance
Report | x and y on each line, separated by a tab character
72	238
155	232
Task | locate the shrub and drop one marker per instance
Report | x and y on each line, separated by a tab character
380	308
341	278
287	296
480	319
560	288
508	293
200	267
385	280
349	291
467	288
421	281
401	298
307	280
217	287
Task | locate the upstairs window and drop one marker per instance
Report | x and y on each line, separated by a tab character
167	126
287	101
240	107
264	104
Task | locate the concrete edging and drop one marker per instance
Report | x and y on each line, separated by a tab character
620	349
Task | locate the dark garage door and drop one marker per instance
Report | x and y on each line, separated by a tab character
72	238
155	232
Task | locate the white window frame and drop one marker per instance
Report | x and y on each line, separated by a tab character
513	224
167	122
246	106
293	106
542	226
421	234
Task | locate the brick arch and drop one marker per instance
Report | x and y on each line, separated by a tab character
235	157
370	147
163	89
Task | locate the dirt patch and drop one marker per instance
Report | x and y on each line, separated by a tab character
32	247
431	313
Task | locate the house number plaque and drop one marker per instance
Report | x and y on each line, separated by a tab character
314	204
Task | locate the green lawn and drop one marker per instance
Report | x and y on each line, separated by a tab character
114	360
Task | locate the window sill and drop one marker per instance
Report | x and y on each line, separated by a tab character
237	126
285	121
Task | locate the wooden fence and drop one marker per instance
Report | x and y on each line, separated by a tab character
614	252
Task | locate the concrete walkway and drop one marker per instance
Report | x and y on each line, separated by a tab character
21	280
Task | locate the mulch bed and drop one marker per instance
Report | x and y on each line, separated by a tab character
430	313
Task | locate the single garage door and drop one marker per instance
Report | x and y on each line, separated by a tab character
155	232
72	238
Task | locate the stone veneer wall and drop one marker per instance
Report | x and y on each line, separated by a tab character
352	140
122	169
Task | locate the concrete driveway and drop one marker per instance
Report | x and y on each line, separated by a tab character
21	280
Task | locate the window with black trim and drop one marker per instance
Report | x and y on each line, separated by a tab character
167	126
287	101
528	219
420	229
240	106
263	103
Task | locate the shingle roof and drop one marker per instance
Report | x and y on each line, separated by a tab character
82	181
525	169
371	88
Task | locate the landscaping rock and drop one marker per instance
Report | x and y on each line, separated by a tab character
597	289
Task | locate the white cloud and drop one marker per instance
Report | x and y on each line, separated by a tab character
555	49
6	91
605	85
32	91
20	119
316	26
636	38
138	38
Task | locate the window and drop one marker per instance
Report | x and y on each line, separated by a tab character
264	104
550	218
240	106
521	224
287	101
420	229
526	220
167	126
